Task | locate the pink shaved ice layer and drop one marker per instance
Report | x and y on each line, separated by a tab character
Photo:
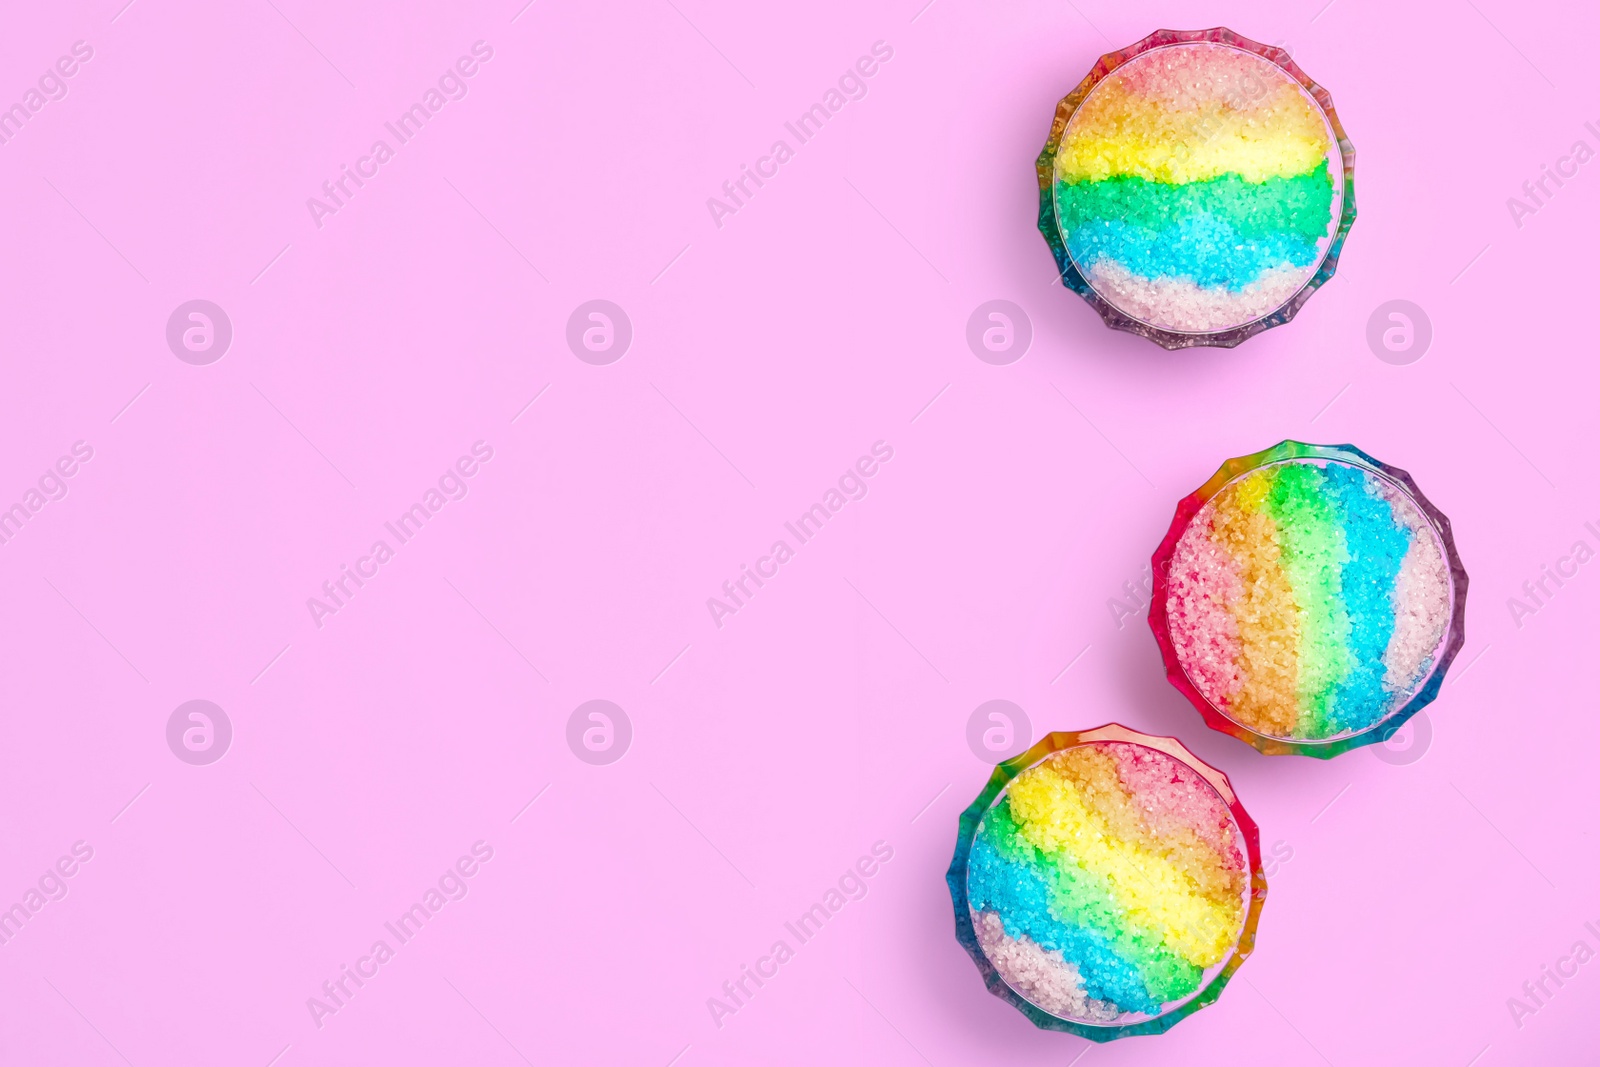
1181	304
1204	580
1195	77
1421	597
1044	976
1172	797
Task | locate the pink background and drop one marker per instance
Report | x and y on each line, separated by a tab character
768	354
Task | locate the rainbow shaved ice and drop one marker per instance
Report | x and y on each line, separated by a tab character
1308	600
1107	882
1198	187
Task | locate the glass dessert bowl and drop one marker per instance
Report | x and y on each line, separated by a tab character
1107	883
1196	188
1308	599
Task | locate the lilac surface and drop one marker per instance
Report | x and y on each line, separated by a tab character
1006	536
